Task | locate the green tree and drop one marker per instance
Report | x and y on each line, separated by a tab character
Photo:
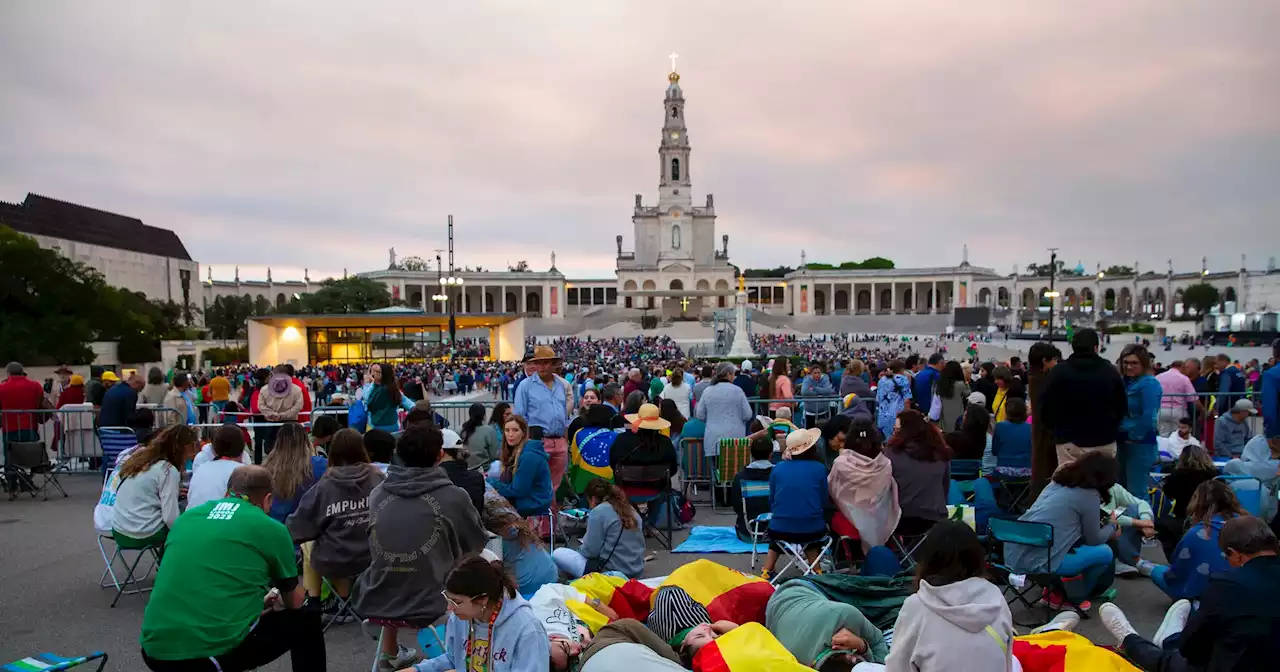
1042	270
1119	270
352	294
414	264
778	272
1201	297
872	263
50	306
225	317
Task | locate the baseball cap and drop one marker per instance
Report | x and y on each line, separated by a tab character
110	376
451	438
977	398
1244	405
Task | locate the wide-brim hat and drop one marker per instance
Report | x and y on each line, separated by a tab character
648	418
543	353
800	441
63	368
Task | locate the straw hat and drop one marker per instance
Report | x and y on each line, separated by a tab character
647	418
544	353
63	368
800	441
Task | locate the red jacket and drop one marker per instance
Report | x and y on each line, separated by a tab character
72	394
20	393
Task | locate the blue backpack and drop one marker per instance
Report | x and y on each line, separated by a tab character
358	416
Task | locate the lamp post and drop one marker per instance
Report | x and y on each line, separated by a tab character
448	282
1052	294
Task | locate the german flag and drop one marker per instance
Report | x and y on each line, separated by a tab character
747	648
589	457
1061	651
728	595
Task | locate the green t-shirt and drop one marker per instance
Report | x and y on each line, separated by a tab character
220	560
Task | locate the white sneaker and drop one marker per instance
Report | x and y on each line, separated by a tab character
1174	621
405	657
1123	569
1065	620
1115	622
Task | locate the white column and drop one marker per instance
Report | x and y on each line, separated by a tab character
935	298
403	297
893	296
520	301
875	299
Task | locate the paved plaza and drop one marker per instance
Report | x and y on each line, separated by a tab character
50	599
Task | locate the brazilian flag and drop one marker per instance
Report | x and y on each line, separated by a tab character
589	457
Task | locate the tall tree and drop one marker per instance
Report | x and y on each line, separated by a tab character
414	264
1200	297
352	294
1119	270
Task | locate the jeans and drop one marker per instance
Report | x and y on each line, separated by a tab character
1087	570
1136	462
1152	658
296	631
1128	548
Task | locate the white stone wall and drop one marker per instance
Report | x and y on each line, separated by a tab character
157	277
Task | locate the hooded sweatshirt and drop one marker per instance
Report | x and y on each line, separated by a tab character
804	620
280	399
946	628
530	487
518	642
1257	461
865	492
335	514
420	523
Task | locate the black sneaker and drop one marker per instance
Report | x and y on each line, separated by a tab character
332	612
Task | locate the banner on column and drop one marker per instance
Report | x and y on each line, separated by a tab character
395	291
804	298
555	300
964	294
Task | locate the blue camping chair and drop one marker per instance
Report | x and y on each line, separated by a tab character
48	662
965	470
1001	531
115	440
758	527
1248	491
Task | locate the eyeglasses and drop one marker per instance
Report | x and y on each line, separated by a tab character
1132	362
454	603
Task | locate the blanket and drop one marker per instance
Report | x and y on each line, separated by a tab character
879	598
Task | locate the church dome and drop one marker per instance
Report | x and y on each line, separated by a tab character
1079	268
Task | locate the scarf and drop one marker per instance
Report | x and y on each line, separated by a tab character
866	494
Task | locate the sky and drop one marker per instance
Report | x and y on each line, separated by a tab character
318	134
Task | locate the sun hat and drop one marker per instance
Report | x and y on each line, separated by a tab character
800	441
647	418
110	376
1244	405
746	365
977	398
63	368
77	380
543	353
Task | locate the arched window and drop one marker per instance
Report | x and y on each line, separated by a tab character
675	170
675	112
675	237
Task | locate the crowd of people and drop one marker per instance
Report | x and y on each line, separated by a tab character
856	438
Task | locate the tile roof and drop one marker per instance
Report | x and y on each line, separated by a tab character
42	216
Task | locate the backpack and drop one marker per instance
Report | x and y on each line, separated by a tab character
358	416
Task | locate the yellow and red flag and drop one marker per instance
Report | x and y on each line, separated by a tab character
727	594
628	597
1062	651
747	648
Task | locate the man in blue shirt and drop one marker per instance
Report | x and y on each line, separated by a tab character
1270	397
543	400
922	386
120	401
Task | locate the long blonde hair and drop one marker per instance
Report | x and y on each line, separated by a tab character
510	456
289	461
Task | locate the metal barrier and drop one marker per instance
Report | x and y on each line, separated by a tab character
69	433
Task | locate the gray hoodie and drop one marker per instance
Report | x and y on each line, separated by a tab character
936	623
334	513
420	523
518	642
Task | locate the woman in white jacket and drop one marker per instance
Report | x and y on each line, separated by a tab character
953	610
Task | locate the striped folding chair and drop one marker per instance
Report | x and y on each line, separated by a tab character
734	455
696	468
115	440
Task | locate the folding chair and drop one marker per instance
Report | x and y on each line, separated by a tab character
382	624
965	470
696	468
536	521
659	475
758	526
1013	490
122	587
345	605
1001	531
734	455
796	553
115	440
30	463
906	545
1248	491
49	662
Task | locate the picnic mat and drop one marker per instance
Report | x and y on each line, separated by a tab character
713	539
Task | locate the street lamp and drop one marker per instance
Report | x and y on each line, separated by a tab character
1052	293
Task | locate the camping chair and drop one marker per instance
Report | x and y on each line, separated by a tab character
49	662
122	587
419	626
345	604
1013	490
734	455
659	475
1001	531
758	528
906	545
696	468
965	470
115	440
796	555
30	464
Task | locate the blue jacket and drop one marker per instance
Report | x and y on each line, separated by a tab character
1143	395
1270	401
922	388
798	495
1231	388
530	487
117	405
1011	444
1199	546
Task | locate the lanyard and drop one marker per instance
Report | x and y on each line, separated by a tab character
471	636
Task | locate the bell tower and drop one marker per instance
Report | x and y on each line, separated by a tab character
674	185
